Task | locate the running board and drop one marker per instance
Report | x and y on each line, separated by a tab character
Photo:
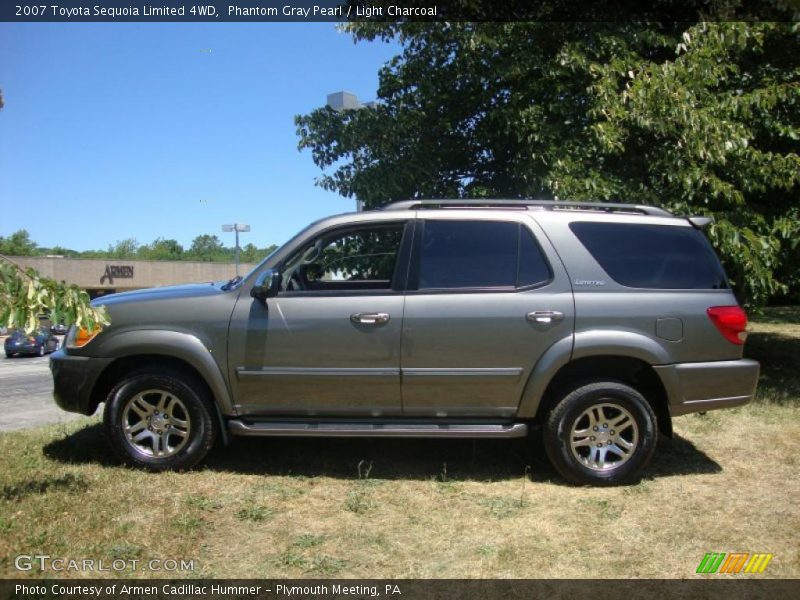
402	430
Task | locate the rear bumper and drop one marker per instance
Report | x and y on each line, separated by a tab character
698	387
21	349
74	378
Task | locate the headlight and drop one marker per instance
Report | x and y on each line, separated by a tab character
78	337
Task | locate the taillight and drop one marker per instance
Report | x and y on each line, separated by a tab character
731	322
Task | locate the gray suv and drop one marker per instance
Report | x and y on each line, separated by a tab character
466	319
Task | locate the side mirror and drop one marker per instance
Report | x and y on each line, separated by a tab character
267	285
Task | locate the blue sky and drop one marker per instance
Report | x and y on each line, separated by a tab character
113	131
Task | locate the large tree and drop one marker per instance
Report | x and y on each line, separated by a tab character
701	118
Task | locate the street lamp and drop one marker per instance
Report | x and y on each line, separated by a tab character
237	227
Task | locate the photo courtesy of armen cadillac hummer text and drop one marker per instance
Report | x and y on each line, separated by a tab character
591	323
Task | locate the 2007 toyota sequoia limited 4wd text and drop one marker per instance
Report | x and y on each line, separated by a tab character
595	322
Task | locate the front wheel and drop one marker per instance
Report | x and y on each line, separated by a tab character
601	433
159	420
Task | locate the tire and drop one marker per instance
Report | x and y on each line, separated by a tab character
159	420
9	355
600	457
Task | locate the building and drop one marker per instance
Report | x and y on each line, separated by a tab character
99	277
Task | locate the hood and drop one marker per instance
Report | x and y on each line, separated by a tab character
167	292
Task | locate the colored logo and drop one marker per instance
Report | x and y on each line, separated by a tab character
735	562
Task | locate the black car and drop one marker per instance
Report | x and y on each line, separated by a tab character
36	343
59	329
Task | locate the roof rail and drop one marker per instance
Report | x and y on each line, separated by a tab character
527	204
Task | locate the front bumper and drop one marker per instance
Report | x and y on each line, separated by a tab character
74	378
698	387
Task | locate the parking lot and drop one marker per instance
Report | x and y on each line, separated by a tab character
26	394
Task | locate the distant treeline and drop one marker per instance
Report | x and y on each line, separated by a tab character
206	248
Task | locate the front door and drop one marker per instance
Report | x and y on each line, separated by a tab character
488	299
329	343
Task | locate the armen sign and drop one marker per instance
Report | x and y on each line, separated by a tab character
120	271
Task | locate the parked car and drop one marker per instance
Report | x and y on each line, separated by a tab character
597	323
37	343
59	329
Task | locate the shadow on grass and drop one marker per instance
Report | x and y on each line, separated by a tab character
779	315
394	459
779	356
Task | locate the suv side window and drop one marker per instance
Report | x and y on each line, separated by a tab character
653	256
362	258
479	254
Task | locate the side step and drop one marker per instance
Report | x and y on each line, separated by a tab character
403	430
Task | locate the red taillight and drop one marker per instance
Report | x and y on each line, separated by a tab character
731	322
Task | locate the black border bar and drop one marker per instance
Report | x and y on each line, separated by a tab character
220	11
722	587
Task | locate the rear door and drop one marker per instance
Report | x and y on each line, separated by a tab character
487	297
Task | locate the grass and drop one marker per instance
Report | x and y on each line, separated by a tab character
280	508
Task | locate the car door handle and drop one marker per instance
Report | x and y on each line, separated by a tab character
377	318
545	316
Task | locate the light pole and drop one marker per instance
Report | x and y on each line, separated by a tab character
237	227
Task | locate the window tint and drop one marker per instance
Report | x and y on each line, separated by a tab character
357	259
533	267
653	256
479	254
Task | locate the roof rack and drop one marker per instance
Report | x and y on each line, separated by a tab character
527	204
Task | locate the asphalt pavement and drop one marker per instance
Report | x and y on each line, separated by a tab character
26	394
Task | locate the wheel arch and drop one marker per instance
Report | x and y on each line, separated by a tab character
124	365
630	370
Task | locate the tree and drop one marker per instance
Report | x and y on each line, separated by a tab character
126	248
161	249
207	248
700	118
18	243
253	254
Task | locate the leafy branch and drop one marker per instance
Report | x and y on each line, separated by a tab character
25	297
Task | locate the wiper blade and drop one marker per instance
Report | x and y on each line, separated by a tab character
231	283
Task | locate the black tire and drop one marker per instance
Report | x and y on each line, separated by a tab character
597	401
9	355
195	408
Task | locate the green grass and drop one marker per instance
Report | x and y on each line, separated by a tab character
424	508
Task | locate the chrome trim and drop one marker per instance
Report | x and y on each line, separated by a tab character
245	373
715	400
407	430
464	372
545	316
378	318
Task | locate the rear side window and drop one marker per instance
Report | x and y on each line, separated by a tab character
653	256
479	254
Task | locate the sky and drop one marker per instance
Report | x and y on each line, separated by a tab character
148	130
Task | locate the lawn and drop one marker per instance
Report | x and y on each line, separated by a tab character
727	482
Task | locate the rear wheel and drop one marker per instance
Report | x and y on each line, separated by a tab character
159	420
601	433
